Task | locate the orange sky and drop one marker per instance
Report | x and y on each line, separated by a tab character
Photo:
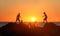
28	9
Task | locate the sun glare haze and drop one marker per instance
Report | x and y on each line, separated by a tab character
33	19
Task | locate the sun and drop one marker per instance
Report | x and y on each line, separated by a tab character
33	19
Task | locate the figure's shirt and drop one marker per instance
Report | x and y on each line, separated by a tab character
18	15
45	15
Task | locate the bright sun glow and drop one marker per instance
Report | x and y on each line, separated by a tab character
33	19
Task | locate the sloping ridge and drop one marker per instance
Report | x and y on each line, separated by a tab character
14	29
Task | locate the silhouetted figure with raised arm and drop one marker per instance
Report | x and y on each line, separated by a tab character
17	18
45	18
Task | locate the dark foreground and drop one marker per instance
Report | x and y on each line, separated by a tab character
13	29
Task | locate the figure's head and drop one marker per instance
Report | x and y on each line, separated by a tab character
44	12
18	13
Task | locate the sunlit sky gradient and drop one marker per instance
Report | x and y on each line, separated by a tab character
28	9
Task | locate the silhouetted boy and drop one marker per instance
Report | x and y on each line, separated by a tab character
17	18
45	18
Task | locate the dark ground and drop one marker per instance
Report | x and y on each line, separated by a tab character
13	29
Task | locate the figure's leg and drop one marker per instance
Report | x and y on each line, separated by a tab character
44	20
19	20
16	20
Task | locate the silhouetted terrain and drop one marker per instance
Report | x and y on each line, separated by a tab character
13	29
